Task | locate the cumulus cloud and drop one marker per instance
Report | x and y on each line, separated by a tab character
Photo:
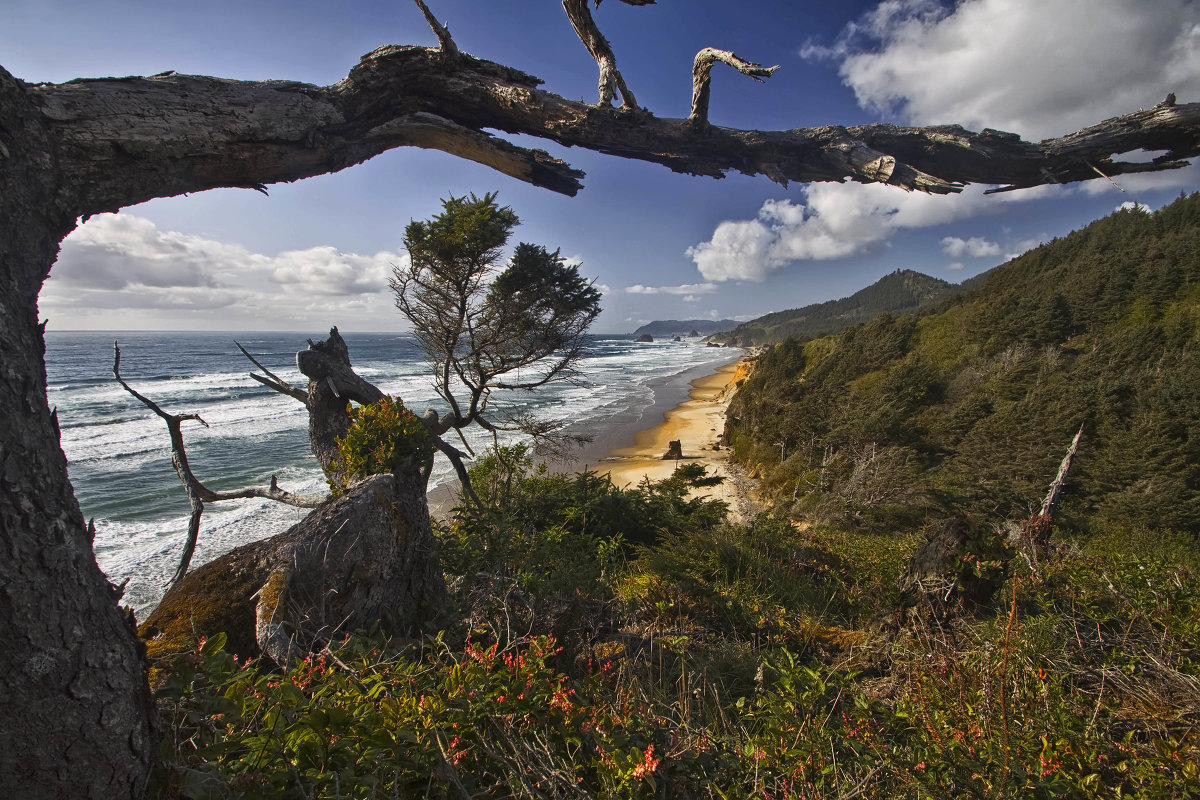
122	261
1130	205
1039	68
954	265
975	247
327	271
833	221
683	289
119	251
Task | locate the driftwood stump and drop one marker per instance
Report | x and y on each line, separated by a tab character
364	557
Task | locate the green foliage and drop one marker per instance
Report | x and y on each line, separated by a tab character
383	437
369	719
540	293
459	242
561	536
483	328
755	661
967	409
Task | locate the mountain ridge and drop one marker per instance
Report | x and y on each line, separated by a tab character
684	327
895	293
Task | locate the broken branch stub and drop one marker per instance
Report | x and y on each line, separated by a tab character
611	81
701	78
441	31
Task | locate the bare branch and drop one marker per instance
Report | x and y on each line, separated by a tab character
198	494
701	78
272	380
1056	487
611	81
441	31
400	96
456	459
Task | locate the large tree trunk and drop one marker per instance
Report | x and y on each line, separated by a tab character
75	709
75	721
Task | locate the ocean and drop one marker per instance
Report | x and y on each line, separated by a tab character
119	456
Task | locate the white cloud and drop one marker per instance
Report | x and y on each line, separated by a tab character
1025	245
326	271
1039	68
975	247
683	289
118	262
835	220
1130	205
118	251
955	265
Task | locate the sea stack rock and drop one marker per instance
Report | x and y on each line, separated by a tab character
674	450
645	337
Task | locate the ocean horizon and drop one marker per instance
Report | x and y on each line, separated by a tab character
118	451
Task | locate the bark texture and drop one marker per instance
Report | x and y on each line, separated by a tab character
132	139
361	558
75	709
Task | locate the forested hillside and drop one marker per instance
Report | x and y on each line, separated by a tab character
968	409
900	291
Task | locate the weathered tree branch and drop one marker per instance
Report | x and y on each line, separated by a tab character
1050	503
198	494
611	81
441	31
272	380
177	133
701	79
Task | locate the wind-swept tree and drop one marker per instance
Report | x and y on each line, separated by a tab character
483	329
367	555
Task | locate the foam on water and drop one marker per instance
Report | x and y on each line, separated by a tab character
119	453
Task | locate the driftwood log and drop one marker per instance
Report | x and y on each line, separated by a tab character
77	715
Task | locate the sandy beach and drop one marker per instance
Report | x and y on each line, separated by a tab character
697	424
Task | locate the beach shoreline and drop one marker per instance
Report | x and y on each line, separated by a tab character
689	407
698	424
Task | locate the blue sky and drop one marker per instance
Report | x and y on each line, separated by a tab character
318	252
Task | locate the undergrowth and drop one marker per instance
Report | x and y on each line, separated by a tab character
630	643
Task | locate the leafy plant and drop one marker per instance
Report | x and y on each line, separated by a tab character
383	437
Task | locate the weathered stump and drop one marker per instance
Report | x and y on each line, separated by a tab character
363	558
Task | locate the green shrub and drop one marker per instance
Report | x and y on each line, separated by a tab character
383	437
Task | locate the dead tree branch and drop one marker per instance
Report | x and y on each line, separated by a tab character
188	140
585	27
1035	532
1050	503
441	31
273	381
701	79
198	494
